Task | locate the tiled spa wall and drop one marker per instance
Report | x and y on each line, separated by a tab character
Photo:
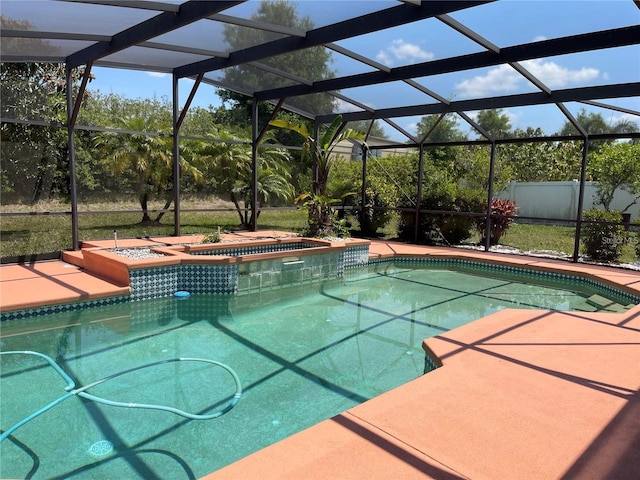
244	277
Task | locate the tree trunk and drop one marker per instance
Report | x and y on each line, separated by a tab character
144	203
233	198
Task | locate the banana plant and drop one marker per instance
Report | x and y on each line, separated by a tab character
318	204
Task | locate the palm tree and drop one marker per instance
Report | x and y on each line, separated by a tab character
231	161
319	205
148	157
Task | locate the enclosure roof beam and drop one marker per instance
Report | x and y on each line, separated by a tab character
189	12
622	90
611	107
372	22
618	37
146	5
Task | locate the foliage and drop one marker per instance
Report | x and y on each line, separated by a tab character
311	63
613	166
541	161
495	122
440	128
594	123
230	162
601	240
212	237
502	213
442	193
319	205
320	213
146	157
388	179
472	168
34	158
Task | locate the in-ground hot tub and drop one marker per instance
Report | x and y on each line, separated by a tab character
230	267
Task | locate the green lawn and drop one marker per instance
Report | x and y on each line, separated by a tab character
30	234
34	234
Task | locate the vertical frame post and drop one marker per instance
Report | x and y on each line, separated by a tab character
363	191
73	185
487	228
419	195
254	164
176	157
583	176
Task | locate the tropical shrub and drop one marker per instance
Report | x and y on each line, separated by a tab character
441	228
502	213
603	241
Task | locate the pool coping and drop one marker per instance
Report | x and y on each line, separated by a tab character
522	394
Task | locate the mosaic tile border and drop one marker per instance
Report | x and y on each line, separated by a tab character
430	363
522	272
250	250
165	281
61	308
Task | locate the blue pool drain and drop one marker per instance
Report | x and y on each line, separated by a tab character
182	294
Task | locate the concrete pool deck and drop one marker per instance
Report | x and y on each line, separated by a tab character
521	394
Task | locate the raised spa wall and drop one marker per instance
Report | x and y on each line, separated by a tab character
226	268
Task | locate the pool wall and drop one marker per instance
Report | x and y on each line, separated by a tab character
161	277
557	278
232	268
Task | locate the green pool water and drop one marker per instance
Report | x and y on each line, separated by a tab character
303	354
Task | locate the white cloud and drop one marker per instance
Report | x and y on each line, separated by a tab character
539	38
504	79
404	52
553	75
346	107
157	74
497	80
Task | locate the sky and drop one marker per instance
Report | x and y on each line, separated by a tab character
506	23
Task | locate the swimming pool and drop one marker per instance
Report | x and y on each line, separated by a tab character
303	354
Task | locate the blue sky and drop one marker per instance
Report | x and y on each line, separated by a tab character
505	23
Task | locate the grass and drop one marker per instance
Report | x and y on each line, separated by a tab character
27	235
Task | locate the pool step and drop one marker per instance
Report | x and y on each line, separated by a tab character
598	302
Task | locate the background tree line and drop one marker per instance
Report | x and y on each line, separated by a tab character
215	151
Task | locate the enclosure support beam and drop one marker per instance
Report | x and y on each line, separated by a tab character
363	191
316	135
276	109
72	160
83	86
416	230
583	177
487	227
254	165
187	104
176	158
